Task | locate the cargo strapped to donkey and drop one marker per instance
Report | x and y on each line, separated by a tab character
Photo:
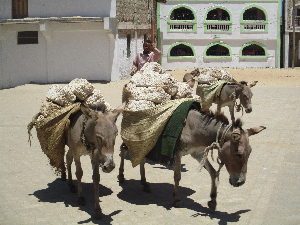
51	134
141	130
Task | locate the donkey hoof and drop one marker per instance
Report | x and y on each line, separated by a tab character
98	214
73	189
121	178
212	205
81	201
178	204
63	177
147	189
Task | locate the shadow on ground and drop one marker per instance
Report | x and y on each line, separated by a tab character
162	195
58	191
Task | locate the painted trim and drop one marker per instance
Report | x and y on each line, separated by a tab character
253	57
217	57
158	28
265	22
220	0
229	22
278	35
181	57
194	21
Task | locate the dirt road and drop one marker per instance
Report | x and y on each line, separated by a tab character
32	194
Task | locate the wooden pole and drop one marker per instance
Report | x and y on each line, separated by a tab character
294	35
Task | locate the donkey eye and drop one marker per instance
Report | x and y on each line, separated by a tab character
99	139
239	155
245	97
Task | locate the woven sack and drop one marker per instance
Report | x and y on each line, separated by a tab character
51	134
141	129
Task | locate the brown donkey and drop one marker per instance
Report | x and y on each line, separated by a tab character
91	133
201	133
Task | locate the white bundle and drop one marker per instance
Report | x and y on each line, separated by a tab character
58	95
151	67
155	79
212	75
95	97
47	108
136	105
154	94
71	97
184	91
81	88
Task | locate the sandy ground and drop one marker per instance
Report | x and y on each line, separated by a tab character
265	77
32	194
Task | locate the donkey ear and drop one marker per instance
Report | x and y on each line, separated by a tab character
253	84
239	84
116	112
255	130
91	114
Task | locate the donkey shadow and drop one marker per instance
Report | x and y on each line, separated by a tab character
161	195
58	191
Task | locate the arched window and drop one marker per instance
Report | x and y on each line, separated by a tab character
181	50
254	18
254	14
218	19
218	14
182	18
182	13
217	50
253	50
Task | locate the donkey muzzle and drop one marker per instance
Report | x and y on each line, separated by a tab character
248	109
237	180
108	165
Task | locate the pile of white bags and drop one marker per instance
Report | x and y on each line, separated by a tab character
211	75
151	86
77	90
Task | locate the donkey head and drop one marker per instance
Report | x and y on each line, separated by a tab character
236	151
101	129
246	95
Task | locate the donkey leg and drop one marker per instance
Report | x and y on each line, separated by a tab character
177	178
231	110
96	181
79	174
69	159
123	149
63	176
146	186
212	204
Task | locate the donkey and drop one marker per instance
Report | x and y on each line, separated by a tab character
230	93
91	133
201	133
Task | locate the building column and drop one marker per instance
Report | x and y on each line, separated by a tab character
286	50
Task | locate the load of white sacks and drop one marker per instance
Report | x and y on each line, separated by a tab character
152	86
211	75
77	90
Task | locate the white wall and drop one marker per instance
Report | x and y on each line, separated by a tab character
63	8
21	63
68	8
65	51
5	9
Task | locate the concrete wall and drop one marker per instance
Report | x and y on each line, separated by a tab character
65	51
136	45
63	8
236	39
5	9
